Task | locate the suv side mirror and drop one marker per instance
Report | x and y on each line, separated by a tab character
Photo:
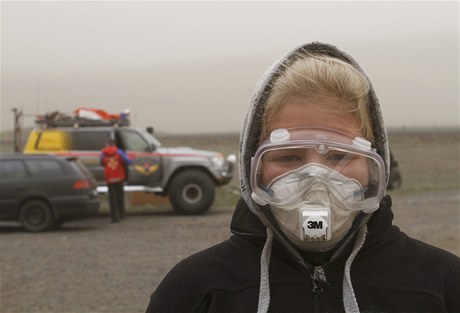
152	147
149	130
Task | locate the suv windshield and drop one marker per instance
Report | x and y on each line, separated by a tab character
138	140
149	138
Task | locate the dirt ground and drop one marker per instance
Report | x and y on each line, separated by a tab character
94	266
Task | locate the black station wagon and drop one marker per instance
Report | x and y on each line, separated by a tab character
42	191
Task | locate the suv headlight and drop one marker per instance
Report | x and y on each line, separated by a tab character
231	159
218	161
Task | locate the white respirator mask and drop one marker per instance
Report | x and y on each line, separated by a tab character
316	181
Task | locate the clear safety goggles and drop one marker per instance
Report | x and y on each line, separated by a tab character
299	158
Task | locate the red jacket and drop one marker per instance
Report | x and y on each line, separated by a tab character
113	160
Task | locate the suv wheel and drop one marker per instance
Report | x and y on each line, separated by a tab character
191	192
395	180
36	216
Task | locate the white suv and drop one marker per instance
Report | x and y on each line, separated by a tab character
188	176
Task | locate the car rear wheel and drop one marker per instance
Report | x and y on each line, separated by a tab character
191	192
36	216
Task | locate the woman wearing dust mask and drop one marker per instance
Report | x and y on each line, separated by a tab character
313	231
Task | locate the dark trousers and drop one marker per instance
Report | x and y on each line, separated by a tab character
116	201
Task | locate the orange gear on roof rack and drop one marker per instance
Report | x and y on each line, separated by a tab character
95	114
82	117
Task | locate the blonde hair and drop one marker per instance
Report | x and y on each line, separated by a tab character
325	78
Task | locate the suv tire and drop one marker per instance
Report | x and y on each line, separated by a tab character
395	181
191	192
36	216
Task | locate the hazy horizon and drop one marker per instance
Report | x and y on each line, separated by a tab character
190	67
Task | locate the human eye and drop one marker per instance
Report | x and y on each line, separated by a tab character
338	157
286	156
289	158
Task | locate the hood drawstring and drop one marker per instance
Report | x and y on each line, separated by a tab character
349	299
264	293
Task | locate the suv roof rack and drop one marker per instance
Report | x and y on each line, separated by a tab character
59	119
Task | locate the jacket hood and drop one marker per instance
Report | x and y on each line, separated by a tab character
252	127
110	150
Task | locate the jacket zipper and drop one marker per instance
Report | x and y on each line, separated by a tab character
248	234
317	287
317	290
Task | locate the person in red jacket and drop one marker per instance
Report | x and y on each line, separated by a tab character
115	163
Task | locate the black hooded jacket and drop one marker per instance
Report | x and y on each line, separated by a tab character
391	273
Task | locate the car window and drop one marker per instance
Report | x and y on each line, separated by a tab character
44	168
150	138
134	141
78	165
11	170
90	140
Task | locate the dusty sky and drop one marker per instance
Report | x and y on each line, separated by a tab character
191	66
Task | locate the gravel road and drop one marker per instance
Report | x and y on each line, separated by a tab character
96	266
